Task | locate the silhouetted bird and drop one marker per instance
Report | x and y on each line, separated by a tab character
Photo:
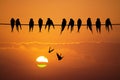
40	22
89	24
31	25
59	56
49	23
18	24
12	23
79	23
71	23
50	50
98	25
63	25
107	24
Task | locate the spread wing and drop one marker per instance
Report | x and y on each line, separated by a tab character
59	56
50	50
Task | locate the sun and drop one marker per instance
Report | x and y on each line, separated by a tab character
42	61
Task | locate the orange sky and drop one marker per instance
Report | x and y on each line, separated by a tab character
81	61
58	9
87	56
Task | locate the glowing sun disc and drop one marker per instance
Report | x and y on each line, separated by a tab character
41	61
41	65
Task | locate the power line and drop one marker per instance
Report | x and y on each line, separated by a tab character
54	24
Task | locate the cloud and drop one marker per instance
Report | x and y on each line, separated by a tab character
12	45
15	45
85	59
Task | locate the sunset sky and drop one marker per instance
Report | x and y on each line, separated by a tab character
58	9
87	56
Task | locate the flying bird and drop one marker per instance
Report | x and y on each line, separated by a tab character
50	50
59	56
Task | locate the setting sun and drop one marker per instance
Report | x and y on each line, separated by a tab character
42	61
59	39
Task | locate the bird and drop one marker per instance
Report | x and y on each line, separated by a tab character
63	25
59	56
49	23
71	23
89	24
50	50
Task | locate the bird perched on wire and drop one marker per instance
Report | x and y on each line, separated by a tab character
63	25
49	23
